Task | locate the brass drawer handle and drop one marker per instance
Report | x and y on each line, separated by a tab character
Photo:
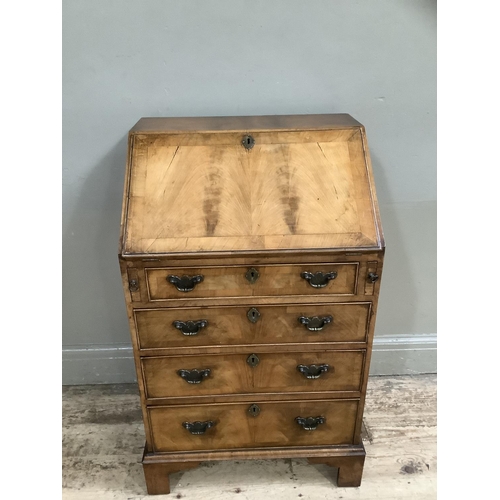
313	371
194	376
185	283
315	323
189	328
197	428
310	423
319	279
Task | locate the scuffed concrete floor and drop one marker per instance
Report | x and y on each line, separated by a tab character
103	439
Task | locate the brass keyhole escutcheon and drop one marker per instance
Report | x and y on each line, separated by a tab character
133	285
248	142
252	275
253	315
253	360
254	410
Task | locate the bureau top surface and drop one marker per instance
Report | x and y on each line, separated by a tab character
300	182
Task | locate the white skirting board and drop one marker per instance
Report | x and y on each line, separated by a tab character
113	364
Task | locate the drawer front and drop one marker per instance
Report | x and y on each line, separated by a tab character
244	281
214	326
266	424
211	375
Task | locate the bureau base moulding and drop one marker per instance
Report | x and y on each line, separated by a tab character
349	461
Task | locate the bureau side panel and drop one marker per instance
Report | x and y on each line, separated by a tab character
137	359
373	292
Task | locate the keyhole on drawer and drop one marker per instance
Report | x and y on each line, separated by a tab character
252	275
254	410
253	360
253	315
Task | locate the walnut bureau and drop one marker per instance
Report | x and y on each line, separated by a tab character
251	252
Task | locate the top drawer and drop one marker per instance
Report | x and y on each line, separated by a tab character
245	281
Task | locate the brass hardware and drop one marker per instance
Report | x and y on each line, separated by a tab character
312	371
253	360
133	285
371	277
248	142
253	315
315	323
198	427
189	328
252	275
194	376
254	410
310	423
319	279
185	283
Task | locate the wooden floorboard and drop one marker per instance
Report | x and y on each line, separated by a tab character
103	439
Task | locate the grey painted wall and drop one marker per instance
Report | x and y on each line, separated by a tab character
126	59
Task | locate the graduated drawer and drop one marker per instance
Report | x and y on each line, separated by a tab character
261	424
220	374
235	325
245	281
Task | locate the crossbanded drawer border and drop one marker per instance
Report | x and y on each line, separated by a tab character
148	269
359	407
159	400
210	348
